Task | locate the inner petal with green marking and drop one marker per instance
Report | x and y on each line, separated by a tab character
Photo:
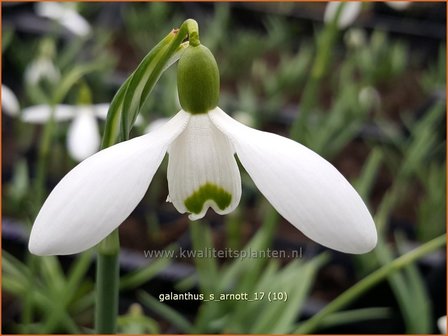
202	170
208	192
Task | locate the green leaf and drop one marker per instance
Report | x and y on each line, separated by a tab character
368	282
296	280
72	78
422	317
207	268
141	276
369	172
166	312
356	315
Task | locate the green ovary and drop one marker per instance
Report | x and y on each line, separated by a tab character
208	191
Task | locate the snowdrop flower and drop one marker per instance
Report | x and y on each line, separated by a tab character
40	69
441	323
83	138
369	97
43	68
348	14
352	9
201	140
355	38
10	104
398	5
66	15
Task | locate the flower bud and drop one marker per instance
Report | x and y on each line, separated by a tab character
198	80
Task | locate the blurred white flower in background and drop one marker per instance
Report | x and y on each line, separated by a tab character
355	38
348	15
40	69
351	10
83	138
369	97
66	15
10	103
398	5
441	323
43	67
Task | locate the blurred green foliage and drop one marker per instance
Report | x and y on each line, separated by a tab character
265	73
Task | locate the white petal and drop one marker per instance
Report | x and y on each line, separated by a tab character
304	188
40	114
399	5
75	23
10	104
83	138
153	125
202	171
101	110
100	193
348	15
64	15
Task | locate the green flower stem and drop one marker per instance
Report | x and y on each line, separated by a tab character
193	32
368	282
325	45
206	267
44	150
28	305
107	281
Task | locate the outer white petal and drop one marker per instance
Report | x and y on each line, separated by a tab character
398	5
304	188
10	104
64	15
83	138
99	194
349	12
202	171
153	125
40	114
